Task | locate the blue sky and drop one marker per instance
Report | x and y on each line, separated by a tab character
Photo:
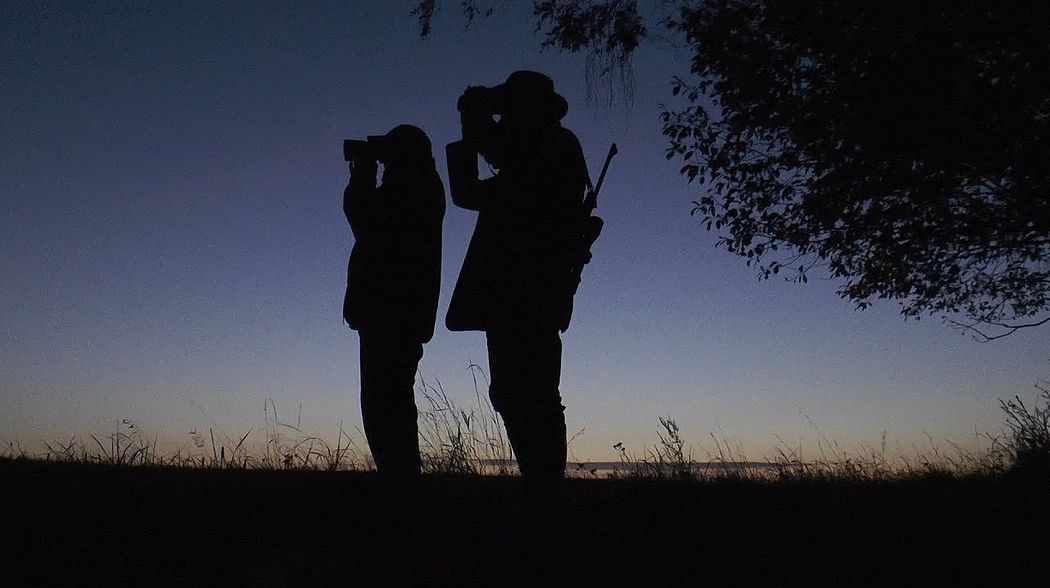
175	251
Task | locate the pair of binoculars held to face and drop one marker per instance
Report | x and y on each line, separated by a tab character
373	147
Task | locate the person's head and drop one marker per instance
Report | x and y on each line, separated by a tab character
528	98
407	146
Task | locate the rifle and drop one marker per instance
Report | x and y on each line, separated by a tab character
590	228
591	225
590	202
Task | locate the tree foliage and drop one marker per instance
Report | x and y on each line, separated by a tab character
901	148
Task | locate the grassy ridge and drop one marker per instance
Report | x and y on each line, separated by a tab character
89	524
304	512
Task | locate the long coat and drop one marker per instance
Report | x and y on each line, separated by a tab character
394	274
516	271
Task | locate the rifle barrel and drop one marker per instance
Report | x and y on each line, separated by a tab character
592	196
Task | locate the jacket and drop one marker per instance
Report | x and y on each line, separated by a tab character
516	273
394	273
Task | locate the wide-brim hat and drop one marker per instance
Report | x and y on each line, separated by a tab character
535	90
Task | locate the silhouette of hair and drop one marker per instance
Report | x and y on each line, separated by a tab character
409	142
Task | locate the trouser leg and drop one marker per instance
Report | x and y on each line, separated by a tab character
525	370
388	409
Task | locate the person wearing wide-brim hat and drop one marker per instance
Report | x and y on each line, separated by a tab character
514	282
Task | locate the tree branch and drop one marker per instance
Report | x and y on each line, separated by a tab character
983	337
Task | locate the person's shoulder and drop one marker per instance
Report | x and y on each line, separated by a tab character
564	135
564	142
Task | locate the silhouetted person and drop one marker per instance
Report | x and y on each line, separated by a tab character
515	282
393	281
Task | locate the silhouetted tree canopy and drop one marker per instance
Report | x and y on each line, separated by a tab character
902	147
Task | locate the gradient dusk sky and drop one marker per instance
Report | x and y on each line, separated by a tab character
174	248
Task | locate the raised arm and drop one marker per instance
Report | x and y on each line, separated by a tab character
466	189
360	198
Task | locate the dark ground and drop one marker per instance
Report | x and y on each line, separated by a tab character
83	525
